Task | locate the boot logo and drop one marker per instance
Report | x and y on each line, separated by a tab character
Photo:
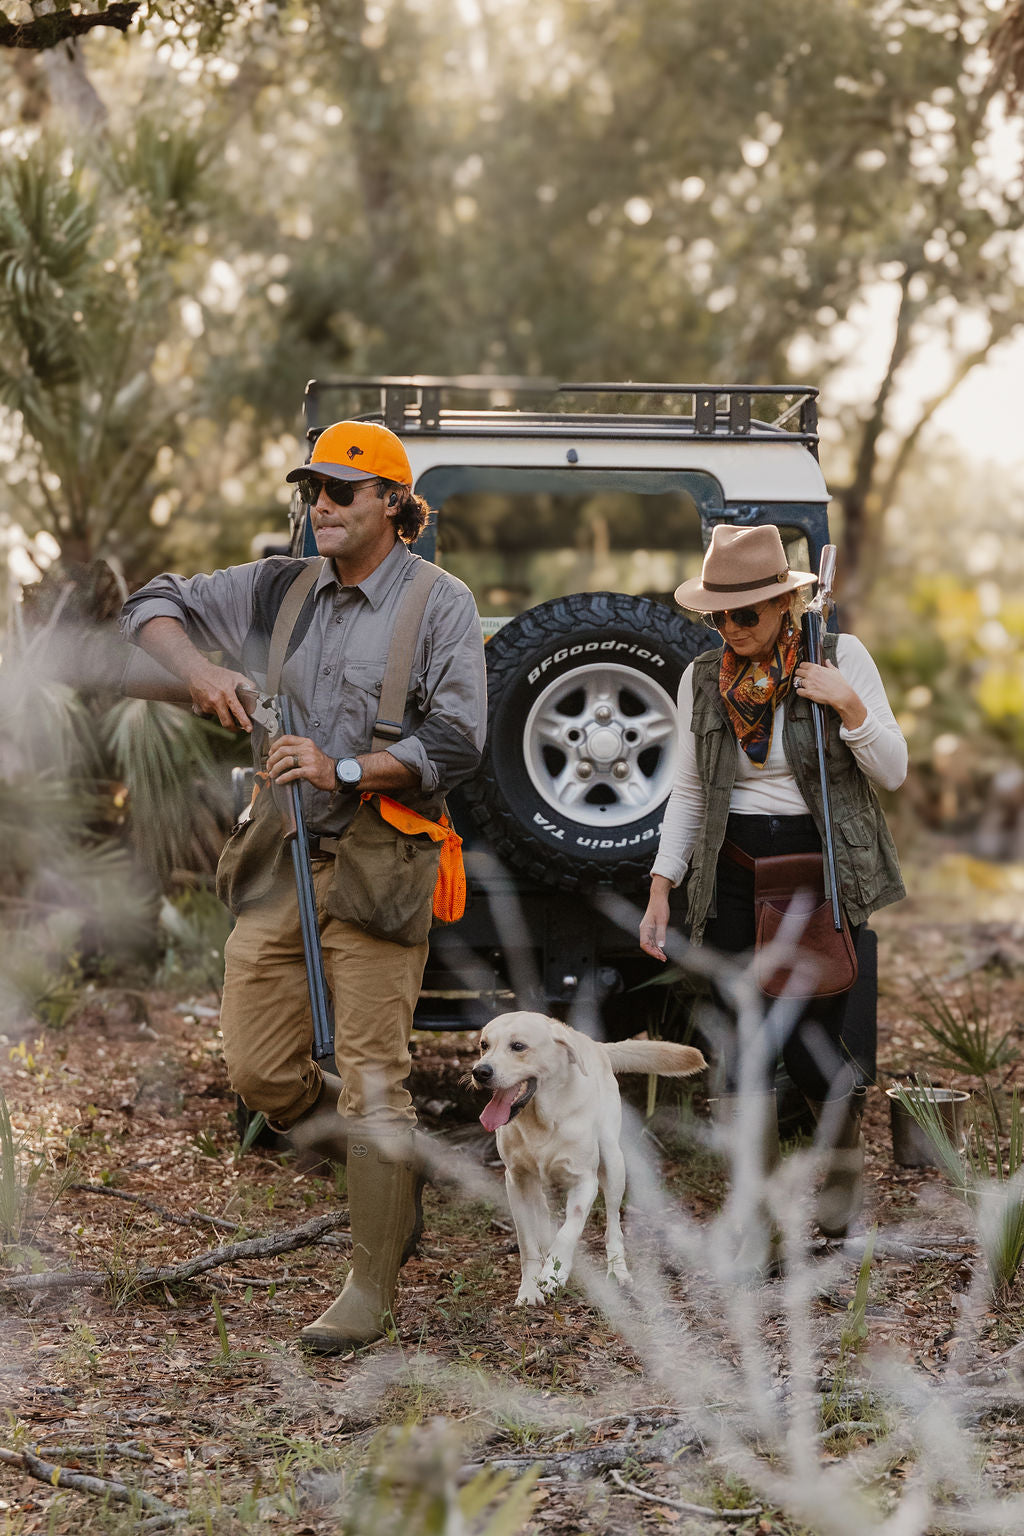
358	1150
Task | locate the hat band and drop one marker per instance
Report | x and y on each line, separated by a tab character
744	586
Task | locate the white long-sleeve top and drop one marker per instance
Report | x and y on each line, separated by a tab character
877	745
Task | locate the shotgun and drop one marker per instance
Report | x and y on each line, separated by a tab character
142	677
274	716
811	627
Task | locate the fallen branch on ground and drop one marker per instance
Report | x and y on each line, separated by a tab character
82	1482
687	1509
151	1205
110	1448
251	1248
595	1459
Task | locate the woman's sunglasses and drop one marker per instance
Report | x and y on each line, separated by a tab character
341	492
743	618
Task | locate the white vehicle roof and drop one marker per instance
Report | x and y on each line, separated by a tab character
758	442
750	471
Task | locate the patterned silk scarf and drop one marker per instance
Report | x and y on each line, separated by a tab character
752	689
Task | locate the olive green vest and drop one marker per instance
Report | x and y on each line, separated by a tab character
869	871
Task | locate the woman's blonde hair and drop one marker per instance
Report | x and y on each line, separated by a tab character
797	605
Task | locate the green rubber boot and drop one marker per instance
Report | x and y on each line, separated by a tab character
382	1209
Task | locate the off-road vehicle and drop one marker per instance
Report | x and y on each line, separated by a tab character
573	512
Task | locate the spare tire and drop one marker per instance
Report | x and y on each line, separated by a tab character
581	742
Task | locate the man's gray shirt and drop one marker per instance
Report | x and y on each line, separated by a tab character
333	676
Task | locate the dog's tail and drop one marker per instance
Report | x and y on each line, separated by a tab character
659	1056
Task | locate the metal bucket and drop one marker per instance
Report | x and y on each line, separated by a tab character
912	1147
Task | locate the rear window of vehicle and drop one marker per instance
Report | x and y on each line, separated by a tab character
519	537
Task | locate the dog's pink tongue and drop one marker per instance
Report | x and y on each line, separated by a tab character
499	1108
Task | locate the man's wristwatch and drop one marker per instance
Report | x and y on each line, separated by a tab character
349	773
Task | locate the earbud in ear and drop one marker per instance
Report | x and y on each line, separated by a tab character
392	500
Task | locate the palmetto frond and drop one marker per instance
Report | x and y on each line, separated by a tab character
166	760
47	222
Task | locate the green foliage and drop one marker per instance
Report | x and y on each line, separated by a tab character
987	1174
489	212
194	926
855	1332
222	1330
254	1126
89	236
163	755
963	1029
409	1488
44	984
19	1174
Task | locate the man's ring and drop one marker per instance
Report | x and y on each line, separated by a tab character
295	762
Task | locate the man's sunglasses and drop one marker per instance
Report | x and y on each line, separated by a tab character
743	618
341	492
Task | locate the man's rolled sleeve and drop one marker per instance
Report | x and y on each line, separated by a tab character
216	610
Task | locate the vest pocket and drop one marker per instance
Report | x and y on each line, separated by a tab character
859	835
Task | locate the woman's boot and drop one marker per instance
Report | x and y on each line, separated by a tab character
842	1187
382	1211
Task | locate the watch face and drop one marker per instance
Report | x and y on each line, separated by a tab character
349	772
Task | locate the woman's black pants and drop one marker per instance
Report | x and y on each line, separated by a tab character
812	1049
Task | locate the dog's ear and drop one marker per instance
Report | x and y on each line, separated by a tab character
574	1055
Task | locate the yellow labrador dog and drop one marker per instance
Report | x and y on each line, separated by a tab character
555	1108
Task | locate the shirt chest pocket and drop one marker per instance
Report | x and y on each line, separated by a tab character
361	683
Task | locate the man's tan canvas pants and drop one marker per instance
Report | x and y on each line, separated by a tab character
267	1024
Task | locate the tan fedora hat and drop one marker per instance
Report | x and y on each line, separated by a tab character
742	565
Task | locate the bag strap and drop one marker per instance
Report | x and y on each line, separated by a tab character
394	690
287	615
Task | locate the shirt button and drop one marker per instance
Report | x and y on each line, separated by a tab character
328	671
339	620
314	722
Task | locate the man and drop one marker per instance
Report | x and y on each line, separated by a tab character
364	514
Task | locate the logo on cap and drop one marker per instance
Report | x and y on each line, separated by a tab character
354	452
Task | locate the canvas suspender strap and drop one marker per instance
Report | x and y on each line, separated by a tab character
287	615
395	687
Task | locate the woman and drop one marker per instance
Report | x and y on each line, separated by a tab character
748	777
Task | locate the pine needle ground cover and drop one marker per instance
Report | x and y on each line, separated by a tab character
880	1383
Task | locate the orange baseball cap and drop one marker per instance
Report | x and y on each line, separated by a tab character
357	450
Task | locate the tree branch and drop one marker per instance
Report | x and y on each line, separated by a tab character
965	366
171	1274
47	31
687	1509
83	1482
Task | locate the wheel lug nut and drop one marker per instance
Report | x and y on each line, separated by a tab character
584	770
602	714
620	770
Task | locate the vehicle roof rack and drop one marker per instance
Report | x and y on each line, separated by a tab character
728	412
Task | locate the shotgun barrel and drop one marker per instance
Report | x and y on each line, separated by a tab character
811	626
295	831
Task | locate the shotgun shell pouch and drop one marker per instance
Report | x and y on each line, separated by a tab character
249	860
449	902
395	870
